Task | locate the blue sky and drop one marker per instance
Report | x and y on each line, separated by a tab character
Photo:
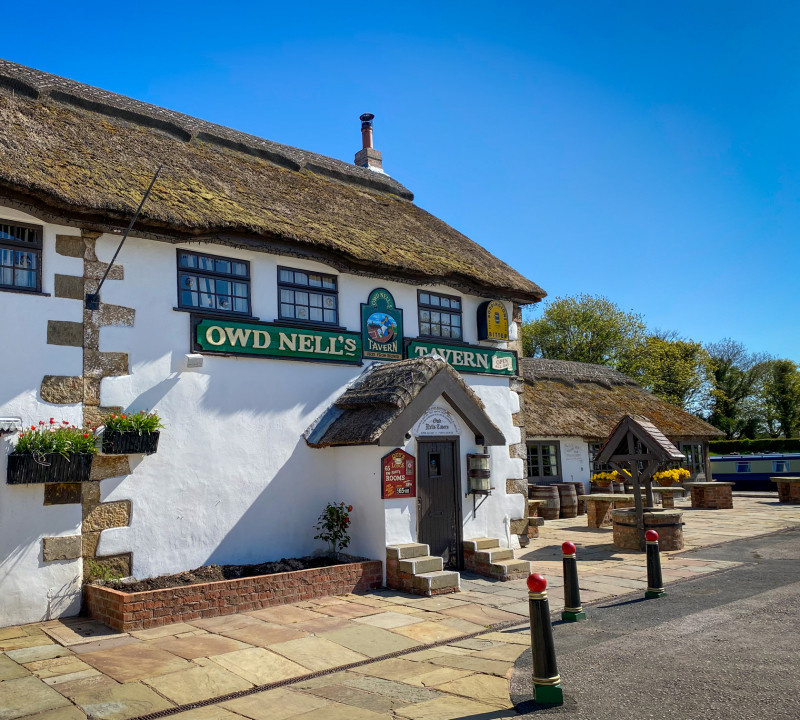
645	152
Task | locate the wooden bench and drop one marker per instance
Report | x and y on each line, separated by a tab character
600	505
711	495
788	489
668	494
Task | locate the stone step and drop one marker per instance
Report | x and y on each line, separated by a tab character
494	554
439	580
421	564
507	568
480	544
407	550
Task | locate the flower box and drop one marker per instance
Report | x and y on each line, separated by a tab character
24	468
130	442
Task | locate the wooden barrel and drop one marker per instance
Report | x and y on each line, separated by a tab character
568	499
549	493
580	489
619	487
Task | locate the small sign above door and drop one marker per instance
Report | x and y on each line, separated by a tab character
398	475
436	422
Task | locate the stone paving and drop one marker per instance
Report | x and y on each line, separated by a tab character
76	668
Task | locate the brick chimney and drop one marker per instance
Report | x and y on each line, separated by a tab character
368	156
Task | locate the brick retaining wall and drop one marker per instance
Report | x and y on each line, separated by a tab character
140	610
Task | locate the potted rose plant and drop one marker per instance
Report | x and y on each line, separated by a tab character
131	433
52	452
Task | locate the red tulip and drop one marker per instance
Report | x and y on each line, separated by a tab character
33	427
85	435
41	422
52	421
349	508
66	422
113	416
122	416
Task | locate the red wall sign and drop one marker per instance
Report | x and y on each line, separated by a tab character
398	475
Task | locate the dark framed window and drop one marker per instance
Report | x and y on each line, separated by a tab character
439	315
597	467
693	452
20	256
742	467
212	283
544	462
308	297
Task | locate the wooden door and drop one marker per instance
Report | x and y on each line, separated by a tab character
439	499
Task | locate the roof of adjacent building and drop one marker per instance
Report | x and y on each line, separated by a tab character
572	399
388	393
77	153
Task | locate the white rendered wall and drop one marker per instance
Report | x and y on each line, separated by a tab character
574	458
31	590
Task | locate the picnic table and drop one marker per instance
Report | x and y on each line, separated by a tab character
788	489
600	505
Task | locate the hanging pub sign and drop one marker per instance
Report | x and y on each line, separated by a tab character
492	321
273	341
398	475
381	327
468	358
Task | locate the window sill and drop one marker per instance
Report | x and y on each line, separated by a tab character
20	291
215	315
310	325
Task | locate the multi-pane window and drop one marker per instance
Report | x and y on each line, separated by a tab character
20	256
694	457
212	283
742	467
544	462
308	296
597	467
439	315
780	466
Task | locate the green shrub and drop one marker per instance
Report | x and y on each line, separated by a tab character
754	447
332	525
50	437
133	422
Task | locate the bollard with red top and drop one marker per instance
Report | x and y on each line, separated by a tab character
573	610
655	584
546	680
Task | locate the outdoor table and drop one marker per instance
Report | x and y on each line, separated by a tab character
711	495
668	494
667	523
788	489
600	505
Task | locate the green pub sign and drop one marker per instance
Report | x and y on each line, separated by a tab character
468	358
268	340
381	327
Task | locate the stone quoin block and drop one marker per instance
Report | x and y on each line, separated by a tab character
68	286
61	548
93	270
61	389
62	332
116	315
62	493
106	515
70	246
91	391
104	364
108	466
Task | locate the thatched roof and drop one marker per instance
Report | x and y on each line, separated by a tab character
398	392
571	399
74	153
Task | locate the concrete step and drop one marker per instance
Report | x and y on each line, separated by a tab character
494	554
421	564
507	568
439	580
407	550
480	544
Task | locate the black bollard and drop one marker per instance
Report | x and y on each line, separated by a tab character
546	680
573	610
655	583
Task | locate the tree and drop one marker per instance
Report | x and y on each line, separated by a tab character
678	371
736	375
781	395
585	328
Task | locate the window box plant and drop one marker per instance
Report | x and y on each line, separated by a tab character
52	453
131	433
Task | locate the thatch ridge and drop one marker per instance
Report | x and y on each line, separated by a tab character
87	155
569	399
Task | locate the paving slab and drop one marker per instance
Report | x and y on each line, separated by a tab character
10	670
338	711
197	683
54	667
481	615
264	633
317	653
390	688
72	631
210	712
370	641
37	652
105	644
358	698
428	632
28	696
277	704
85	684
346	610
286	614
134	662
62	713
478	665
163	631
223	623
24	641
56	681
449	708
259	666
10	633
317	627
198	645
487	689
389	620
120	702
